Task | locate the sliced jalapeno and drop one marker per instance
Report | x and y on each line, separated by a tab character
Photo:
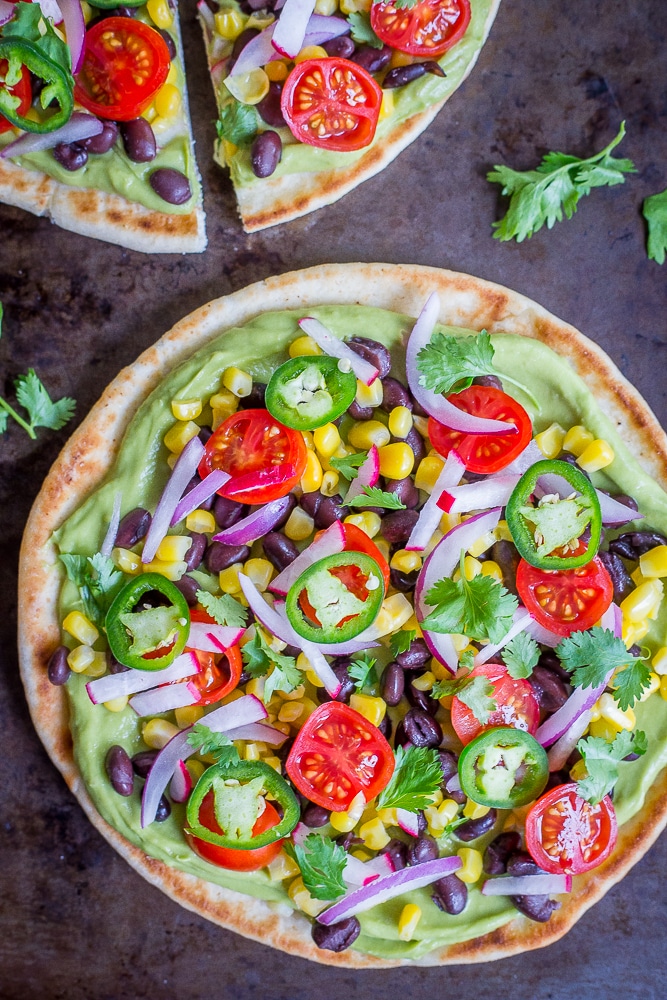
503	768
336	598
58	85
147	638
308	392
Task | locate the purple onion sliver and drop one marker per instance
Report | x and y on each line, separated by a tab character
288	38
200	494
579	702
184	470
80	126
336	348
165	699
6	11
527	885
107	545
257	524
559	753
330	542
260	732
521	622
368	475
129	682
453	784
441	645
494	491
75	30
615	512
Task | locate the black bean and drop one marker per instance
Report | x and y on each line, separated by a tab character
188	586
347	685
640	541
314	816
416	656
397	525
625	499
255	399
170	185
491	381
246	36
265	153
398	852
58	670
70	156
521	863
348	841
551	692
557	778
405	490
372	350
507	557
392	683
394	394
400	75
499	851
422	849
421	728
163	811
227	512
169	42
204	435
109	12
358	412
619	575
405	582
119	770
449	764
219	556
330	509
132	528
195	553
343	47
143	761
372	60
450	894
474	828
102	142
336	937
550	661
269	107
310	502
139	140
537	908
421	700
385	727
416	442
400	736
279	550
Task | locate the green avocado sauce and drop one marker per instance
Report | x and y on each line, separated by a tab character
140	472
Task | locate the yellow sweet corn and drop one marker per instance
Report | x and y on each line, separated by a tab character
643	602
373	709
223	404
408	920
126	560
178	436
394	613
491	568
370	395
597	455
471	865
277	70
502	532
400	421
659	661
424	682
396	460
311	479
97	666
302	899
326	7
167	104
369	522
406	561
374	834
632	632
81	628
472	810
173	548
186	409
550	441
79	658
481	544
577	439
654	562
117	704
156	733
663	687
311	52
654	685
327	440
237	381
188	715
330	481
229	24
201	521
299	525
428	471
366	433
304	347
282	867
160	13
615	716
228	579
260	572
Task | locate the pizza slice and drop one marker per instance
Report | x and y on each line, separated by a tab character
316	97
94	123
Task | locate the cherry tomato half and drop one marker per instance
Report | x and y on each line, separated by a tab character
331	103
568	600
357	540
124	65
337	754
219	675
22	90
517	705
428	28
484	453
264	458
227	857
566	834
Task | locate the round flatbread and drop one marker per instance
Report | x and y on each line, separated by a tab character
87	458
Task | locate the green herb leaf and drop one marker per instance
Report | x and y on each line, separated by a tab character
592	654
361	671
29	24
259	658
417	776
602	759
373	496
630	682
448	361
285	676
475	692
348	464
480	608
42	411
238	123
217	745
544	195
322	862
400	642
361	30
226	610
98	581
521	655
654	210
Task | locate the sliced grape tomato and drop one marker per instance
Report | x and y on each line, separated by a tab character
565	601
516	705
566	834
424	28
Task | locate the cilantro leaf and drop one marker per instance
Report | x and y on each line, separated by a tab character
225	609
30	25
654	210
348	464
285	676
592	654
449	364
259	658
542	196
602	759
322	862
217	745
630	682
400	642
238	123
361	671
373	496
480	608
42	411
361	31
417	776
521	655
4	417
98	581
475	692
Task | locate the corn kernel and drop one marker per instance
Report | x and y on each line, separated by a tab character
290	711
654	562
578	771
87	11
643	602
346	821
424	682
598	455
434	823
97	666
311	52
178	436
237	381
282	867
481	544
330	481
550	441
186	409
388	104
171	570
125	560
312	676
654	685
295	695
366	433
502	532
81	628
427	472
603	729
79	658
663	687
229	24
406	561
370	395
229	579
421	424
260	572
396	460
277	71
302	899
327	439
472	810
304	347
367	520
173	548
299	525
615	716
471	865
201	521
117	704
373	709
400	421
256	686
577	439
448	810
595	712
491	568
449	521
471	569
188	715
251	751
659	661
408	920
156	733
222	404
196	768
260	19
400	59
326	7
383	545
160	13
352	6
275	763
393	615
374	834
633	632
637	576
168	103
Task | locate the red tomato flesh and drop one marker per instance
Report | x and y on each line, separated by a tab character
229	857
219	675
564	833
565	601
428	28
22	90
517	708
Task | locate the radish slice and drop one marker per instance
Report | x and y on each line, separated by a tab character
213	638
521	622
330	543
527	885
368	475
408	821
184	470
75	30
80	126
181	783
164	699
255	525
107	545
436	405
6	11
133	681
430	514
291	28
200	494
355	872
260	50
237	713
492	492
383	889
206	14
258	732
558	754
51	9
336	348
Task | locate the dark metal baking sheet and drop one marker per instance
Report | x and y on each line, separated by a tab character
75	921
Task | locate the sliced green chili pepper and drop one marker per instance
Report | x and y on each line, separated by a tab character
308	392
58	85
543	530
136	637
236	805
503	768
336	598
109	4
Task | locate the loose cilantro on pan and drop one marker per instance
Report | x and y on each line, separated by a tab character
42	411
238	123
591	655
602	759
98	581
449	364
373	496
521	655
361	671
480	608
217	745
654	210
322	862
417	776
259	658
542	196
225	609
361	31
475	692
348	465
400	642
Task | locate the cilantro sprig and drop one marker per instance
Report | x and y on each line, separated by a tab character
480	608
475	692
217	745
225	609
361	30
259	659
322	862
654	210
591	655
542	196
449	364
238	123
373	496
348	465
362	671
602	759
417	776
98	581
42	411
521	655
400	642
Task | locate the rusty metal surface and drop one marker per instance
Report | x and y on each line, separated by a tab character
75	921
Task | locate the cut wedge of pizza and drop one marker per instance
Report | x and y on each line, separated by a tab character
94	123
316	97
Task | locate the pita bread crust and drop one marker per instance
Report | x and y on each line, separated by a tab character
86	458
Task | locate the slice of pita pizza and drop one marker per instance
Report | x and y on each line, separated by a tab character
315	98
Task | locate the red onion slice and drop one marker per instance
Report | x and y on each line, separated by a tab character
200	494
291	28
494	491
51	9
213	638
259	732
615	512
181	783
330	543
529	456
408	821
521	622
6	11
75	30
134	681
527	885
542	635
237	713
453	784
165	699
260	50
80	126
442	647
184	470
436	405
383	889
430	514
255	525
559	753
368	475
107	545
336	348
